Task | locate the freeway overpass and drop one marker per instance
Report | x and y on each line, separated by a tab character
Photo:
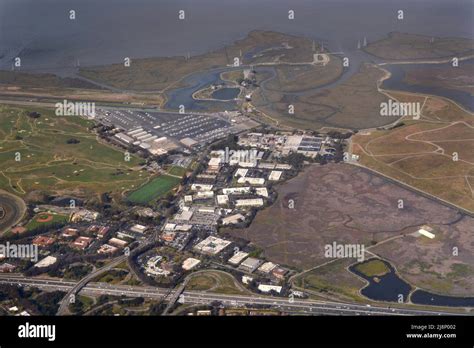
76	287
303	306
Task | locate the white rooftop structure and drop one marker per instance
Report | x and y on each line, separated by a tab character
169	227
138	228
204	194
248	164
222	199
250	264
283	166
261	191
212	245
241	172
183	227
233	219
246	279
267	267
266	165
188	141
267	288
184	215
426	233
207	209
136	131
237	257
190	263
251	181
123	137
236	190
201	187
47	261
214	163
275	175
106	249
253	202
293	141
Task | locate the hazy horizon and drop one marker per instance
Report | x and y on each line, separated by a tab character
106	31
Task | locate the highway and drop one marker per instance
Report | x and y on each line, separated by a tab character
302	306
175	296
76	287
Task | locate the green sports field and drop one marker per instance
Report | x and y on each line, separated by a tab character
176	171
45	219
154	189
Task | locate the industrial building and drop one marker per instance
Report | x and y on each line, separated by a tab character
212	245
250	265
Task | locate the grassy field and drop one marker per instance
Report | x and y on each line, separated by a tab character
214	282
48	164
399	46
333	280
201	282
373	268
49	219
177	171
232	76
112	276
154	189
420	152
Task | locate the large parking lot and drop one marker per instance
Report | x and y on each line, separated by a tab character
202	128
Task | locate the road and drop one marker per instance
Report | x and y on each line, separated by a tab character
14	208
426	61
75	288
50	102
175	295
302	306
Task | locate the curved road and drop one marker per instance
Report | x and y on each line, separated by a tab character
64	303
13	207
